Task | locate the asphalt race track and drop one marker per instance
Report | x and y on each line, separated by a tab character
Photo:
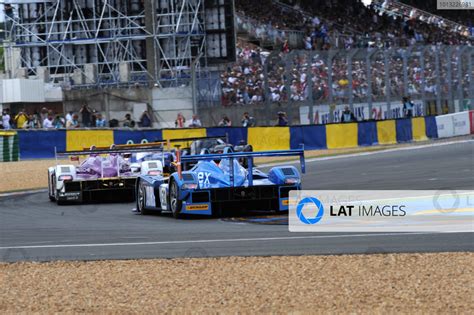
32	228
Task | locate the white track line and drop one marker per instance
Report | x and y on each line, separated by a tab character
23	192
343	156
231	240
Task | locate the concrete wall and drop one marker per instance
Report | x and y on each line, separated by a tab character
164	104
118	101
168	102
212	115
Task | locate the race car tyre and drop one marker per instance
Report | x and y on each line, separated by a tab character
141	200
51	197
175	203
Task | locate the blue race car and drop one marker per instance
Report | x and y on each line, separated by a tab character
219	184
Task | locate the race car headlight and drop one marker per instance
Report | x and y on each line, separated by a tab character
65	178
292	180
189	186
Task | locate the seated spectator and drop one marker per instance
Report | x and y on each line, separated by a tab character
195	122
180	121
128	121
145	119
225	122
100	121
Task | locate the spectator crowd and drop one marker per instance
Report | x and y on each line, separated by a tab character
84	118
358	26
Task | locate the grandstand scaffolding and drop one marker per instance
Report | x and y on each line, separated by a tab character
98	43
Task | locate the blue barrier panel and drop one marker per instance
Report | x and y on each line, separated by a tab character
404	130
39	144
313	137
431	128
367	133
235	134
136	136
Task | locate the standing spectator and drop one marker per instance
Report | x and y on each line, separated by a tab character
6	119
100	121
73	123
33	122
225	122
128	122
48	122
408	107
20	119
195	122
180	120
247	120
145	119
93	119
282	119
43	114
68	116
86	115
286	47
347	115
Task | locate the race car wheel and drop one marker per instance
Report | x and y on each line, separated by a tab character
141	200
50	188
175	203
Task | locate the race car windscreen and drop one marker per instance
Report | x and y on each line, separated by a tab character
198	145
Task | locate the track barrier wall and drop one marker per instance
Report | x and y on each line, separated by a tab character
42	143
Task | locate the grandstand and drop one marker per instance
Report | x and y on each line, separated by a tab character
310	56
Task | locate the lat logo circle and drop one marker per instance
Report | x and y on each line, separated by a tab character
318	215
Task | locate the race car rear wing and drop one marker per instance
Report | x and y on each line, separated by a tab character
147	147
195	139
246	155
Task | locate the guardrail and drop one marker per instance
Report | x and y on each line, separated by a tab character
34	144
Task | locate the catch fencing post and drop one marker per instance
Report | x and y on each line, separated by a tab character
368	61
470	55
309	84
330	57
388	85
449	78
439	109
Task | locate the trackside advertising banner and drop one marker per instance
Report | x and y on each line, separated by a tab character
381	211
